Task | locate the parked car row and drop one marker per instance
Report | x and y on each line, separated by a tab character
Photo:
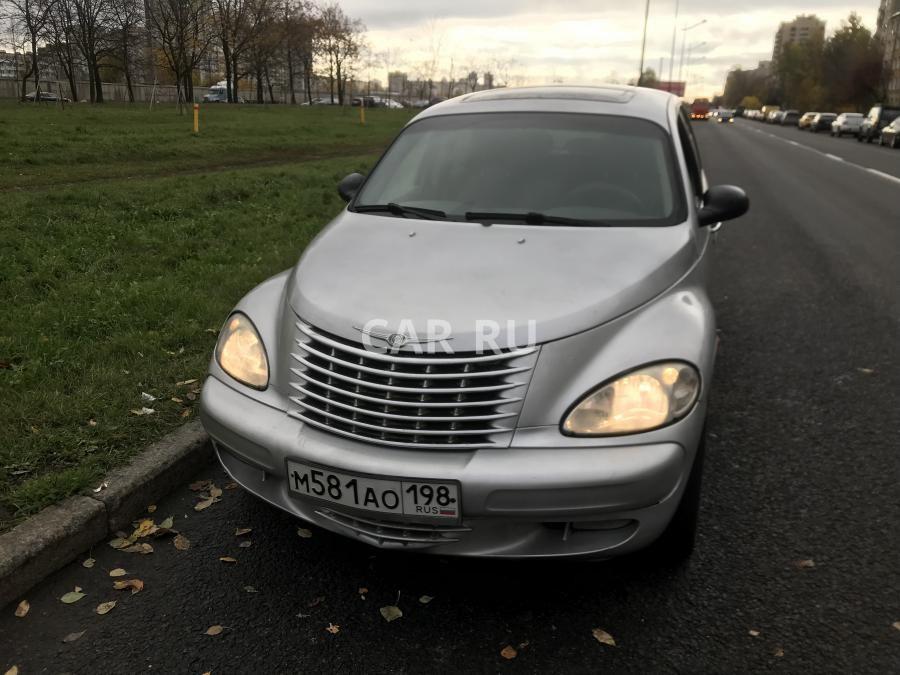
882	123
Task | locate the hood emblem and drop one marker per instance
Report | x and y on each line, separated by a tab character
397	340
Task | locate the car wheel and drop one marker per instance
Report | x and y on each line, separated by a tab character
676	543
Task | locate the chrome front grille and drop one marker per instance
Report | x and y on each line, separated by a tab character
408	399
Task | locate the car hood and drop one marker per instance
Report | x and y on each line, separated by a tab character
549	281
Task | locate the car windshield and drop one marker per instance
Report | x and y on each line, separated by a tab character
593	168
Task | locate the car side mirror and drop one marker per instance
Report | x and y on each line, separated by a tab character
722	202
349	186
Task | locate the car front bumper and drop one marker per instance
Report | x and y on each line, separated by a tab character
598	501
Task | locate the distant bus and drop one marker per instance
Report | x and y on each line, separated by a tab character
700	109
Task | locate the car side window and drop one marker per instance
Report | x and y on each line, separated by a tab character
691	155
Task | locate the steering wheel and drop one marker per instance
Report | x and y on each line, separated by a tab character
597	193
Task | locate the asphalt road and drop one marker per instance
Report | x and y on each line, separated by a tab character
802	465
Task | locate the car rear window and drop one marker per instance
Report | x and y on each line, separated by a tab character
602	168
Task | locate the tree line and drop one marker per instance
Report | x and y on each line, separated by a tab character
126	39
841	73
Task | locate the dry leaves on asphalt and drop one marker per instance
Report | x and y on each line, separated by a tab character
603	637
119	543
333	628
509	652
184	383
316	601
754	633
136	585
231	486
105	607
214	630
425	599
228	559
118	572
151	508
245	544
89	563
22	608
13	671
391	612
143	549
145	528
181	542
141	412
804	564
250	589
72	596
779	652
303	533
239	532
71	637
896	625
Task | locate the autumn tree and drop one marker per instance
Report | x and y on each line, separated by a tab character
29	18
339	41
852	66
182	30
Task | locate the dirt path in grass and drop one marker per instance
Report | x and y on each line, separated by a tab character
293	156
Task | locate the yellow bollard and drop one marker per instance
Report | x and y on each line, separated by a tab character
362	112
196	118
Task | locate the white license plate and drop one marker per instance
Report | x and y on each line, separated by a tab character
418	500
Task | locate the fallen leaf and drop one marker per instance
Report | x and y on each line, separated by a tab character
187	412
182	543
866	371
214	630
425	599
228	559
72	596
242	530
147	398
804	564
779	652
245	544
71	637
603	637
102	486
250	589
105	607
143	411
362	590
522	645
214	491
200	485
151	508
13	671
390	612
333	628
136	585
89	563
206	503
22	608
191	396
118	572
184	382
754	633
143	549
509	652
120	543
896	625
175	399
231	486
145	528
167	524
316	601
92	422
303	533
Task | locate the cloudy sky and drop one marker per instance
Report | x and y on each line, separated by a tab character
576	41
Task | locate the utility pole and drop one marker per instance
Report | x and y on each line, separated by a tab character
674	29
683	41
640	79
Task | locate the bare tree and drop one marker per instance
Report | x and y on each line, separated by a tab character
127	17
182	30
91	33
300	26
238	23
30	18
60	36
339	42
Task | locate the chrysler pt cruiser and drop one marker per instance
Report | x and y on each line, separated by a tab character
502	347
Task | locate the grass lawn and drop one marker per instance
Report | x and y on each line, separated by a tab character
115	283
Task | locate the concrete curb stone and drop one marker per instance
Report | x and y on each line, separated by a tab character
57	535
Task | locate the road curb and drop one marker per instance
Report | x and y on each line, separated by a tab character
57	535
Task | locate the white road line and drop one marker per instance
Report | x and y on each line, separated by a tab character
876	172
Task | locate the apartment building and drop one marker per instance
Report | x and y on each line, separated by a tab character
802	29
888	31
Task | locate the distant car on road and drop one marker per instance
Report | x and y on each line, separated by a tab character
890	135
723	115
822	122
878	118
47	96
790	117
774	117
700	109
846	123
805	120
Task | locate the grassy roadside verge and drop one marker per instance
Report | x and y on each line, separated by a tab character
114	289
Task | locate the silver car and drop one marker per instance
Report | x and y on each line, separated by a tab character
502	347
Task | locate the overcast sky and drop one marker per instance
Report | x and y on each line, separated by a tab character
576	41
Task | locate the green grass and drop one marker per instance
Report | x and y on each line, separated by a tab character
115	287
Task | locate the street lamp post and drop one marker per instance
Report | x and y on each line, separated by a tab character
683	41
640	79
674	33
687	73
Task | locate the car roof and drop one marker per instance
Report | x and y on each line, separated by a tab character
641	102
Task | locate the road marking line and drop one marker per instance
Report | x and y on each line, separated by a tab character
834	157
794	143
881	173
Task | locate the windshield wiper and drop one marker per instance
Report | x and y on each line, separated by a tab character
400	210
533	218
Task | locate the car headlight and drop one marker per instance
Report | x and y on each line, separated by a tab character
647	398
241	354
